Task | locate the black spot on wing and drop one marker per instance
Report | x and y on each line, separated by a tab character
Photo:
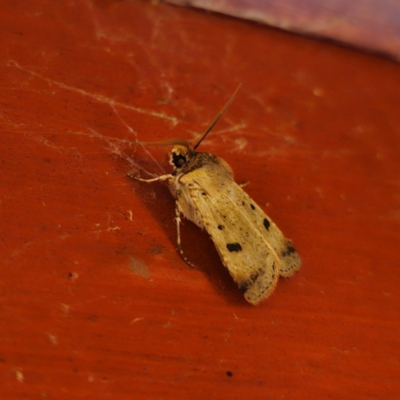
236	247
288	251
252	206
266	223
221	227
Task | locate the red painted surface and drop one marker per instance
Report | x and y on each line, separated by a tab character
96	302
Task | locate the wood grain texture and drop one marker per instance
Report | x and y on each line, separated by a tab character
95	301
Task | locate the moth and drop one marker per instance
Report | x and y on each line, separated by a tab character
250	245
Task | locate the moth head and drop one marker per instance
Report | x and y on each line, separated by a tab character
179	156
180	152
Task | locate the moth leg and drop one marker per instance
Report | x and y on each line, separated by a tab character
156	179
178	236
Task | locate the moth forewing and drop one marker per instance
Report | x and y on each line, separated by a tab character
249	243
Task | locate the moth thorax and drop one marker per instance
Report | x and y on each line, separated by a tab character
178	156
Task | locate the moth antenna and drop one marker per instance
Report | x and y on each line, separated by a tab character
169	142
216	119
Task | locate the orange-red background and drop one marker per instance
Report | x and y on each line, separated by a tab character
95	301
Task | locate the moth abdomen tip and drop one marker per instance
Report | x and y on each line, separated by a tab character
243	287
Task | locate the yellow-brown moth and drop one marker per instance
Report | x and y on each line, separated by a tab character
250	245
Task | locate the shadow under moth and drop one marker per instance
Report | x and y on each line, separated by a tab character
250	245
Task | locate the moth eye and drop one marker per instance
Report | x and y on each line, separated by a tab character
178	160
